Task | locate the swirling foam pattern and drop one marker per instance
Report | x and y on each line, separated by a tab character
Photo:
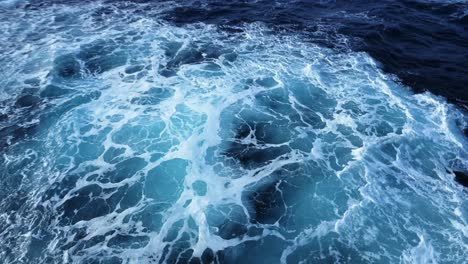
126	139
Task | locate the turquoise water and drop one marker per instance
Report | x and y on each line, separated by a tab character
127	139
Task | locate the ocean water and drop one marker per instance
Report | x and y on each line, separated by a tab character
210	132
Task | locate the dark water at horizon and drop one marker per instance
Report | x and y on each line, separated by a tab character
233	131
424	43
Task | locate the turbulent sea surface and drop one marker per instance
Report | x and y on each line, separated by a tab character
233	132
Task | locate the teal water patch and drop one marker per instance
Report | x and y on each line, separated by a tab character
199	187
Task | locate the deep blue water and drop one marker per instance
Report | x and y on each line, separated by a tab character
233	131
423	42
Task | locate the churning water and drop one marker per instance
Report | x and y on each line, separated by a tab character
126	138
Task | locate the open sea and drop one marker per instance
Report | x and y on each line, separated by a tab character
250	132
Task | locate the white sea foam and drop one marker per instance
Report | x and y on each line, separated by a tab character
303	154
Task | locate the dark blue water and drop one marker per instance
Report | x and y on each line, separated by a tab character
424	43
233	132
